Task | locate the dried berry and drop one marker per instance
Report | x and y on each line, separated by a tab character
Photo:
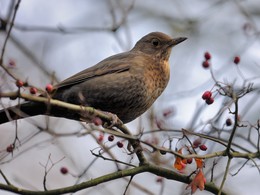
120	144
111	138
10	148
189	160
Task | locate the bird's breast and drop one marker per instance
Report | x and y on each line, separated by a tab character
158	76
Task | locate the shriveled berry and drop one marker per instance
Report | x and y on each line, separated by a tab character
236	59
120	144
196	143
33	90
206	95
203	147
19	83
207	56
111	138
49	88
205	64
210	100
228	122
189	160
10	148
64	170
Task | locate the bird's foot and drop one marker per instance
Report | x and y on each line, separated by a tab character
114	120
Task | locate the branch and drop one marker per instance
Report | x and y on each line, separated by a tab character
157	170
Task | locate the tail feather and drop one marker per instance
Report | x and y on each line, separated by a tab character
23	110
29	109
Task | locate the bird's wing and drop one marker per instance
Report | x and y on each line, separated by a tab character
114	64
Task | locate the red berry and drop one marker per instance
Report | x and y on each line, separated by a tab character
97	121
228	122
64	170
33	90
10	148
196	143
203	147
205	64
111	138
206	95
207	56
100	137
189	160
49	88
120	144
210	100
19	83
236	60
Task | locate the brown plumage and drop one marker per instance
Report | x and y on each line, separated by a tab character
126	84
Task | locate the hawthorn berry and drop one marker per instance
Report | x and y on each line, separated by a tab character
111	138
206	95
205	64
64	170
196	143
189	160
100	137
120	144
97	121
228	122
207	56
203	147
19	83
33	90
10	148
210	100
236	59
49	88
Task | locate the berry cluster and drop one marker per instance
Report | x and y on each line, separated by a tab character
207	96
206	62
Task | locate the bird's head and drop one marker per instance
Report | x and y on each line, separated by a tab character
157	44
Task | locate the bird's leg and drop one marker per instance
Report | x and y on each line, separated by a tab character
114	120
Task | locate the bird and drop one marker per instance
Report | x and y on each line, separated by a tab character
125	84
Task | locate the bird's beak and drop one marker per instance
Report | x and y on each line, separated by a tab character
176	41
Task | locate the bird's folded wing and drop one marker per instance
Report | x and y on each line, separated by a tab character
110	65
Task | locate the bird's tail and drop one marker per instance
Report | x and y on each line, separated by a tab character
23	110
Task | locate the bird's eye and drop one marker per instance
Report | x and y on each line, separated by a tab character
155	42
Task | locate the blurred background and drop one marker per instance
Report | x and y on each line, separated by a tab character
52	40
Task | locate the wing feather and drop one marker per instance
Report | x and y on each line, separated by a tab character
114	64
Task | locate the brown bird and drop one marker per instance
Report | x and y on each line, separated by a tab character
126	84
